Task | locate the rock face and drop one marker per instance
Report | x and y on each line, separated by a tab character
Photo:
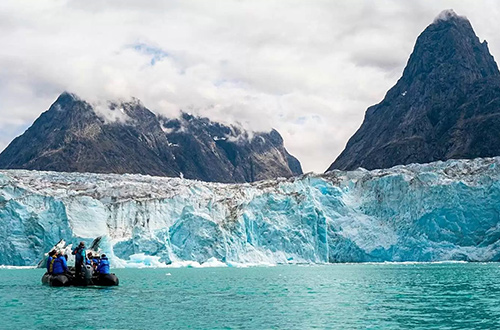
214	152
74	136
445	106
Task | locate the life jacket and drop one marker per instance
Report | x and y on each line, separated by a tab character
49	261
51	267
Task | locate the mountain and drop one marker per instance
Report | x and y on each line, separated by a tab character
74	136
446	105
431	212
204	149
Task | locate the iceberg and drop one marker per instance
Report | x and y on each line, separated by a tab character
420	212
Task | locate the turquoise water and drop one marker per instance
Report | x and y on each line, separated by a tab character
344	296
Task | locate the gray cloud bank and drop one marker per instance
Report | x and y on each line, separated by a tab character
307	68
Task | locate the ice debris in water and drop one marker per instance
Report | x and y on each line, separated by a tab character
431	212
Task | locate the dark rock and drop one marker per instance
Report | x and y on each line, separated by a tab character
445	106
74	137
211	151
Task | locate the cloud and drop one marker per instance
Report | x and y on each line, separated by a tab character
307	68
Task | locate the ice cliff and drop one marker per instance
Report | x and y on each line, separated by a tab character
439	211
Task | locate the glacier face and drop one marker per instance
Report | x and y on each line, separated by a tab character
439	211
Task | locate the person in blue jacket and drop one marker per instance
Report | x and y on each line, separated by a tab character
89	260
95	262
59	265
52	255
103	267
79	253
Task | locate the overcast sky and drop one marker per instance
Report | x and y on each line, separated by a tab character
307	68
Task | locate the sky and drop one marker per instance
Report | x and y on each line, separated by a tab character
308	68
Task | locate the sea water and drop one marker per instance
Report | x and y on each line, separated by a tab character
340	296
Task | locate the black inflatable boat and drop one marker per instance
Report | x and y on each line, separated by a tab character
56	280
89	278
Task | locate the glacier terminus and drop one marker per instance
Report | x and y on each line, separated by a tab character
419	212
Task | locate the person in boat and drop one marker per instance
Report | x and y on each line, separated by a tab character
79	253
52	255
95	261
59	265
103	267
91	260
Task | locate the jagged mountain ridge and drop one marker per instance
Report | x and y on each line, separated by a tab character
230	147
72	136
446	105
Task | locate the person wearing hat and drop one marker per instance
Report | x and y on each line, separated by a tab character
59	265
103	267
52	256
91	260
79	253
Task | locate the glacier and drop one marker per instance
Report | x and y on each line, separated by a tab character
420	212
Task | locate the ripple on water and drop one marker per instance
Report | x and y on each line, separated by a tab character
375	296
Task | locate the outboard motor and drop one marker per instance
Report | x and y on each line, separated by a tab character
87	274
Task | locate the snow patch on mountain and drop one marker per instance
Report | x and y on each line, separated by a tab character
446	15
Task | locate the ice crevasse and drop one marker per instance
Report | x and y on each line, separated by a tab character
432	212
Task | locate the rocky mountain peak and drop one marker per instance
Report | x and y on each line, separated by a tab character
445	105
448	49
126	137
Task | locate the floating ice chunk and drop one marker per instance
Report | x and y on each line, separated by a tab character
213	262
140	260
184	264
16	267
246	265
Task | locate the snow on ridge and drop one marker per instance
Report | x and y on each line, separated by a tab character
447	14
